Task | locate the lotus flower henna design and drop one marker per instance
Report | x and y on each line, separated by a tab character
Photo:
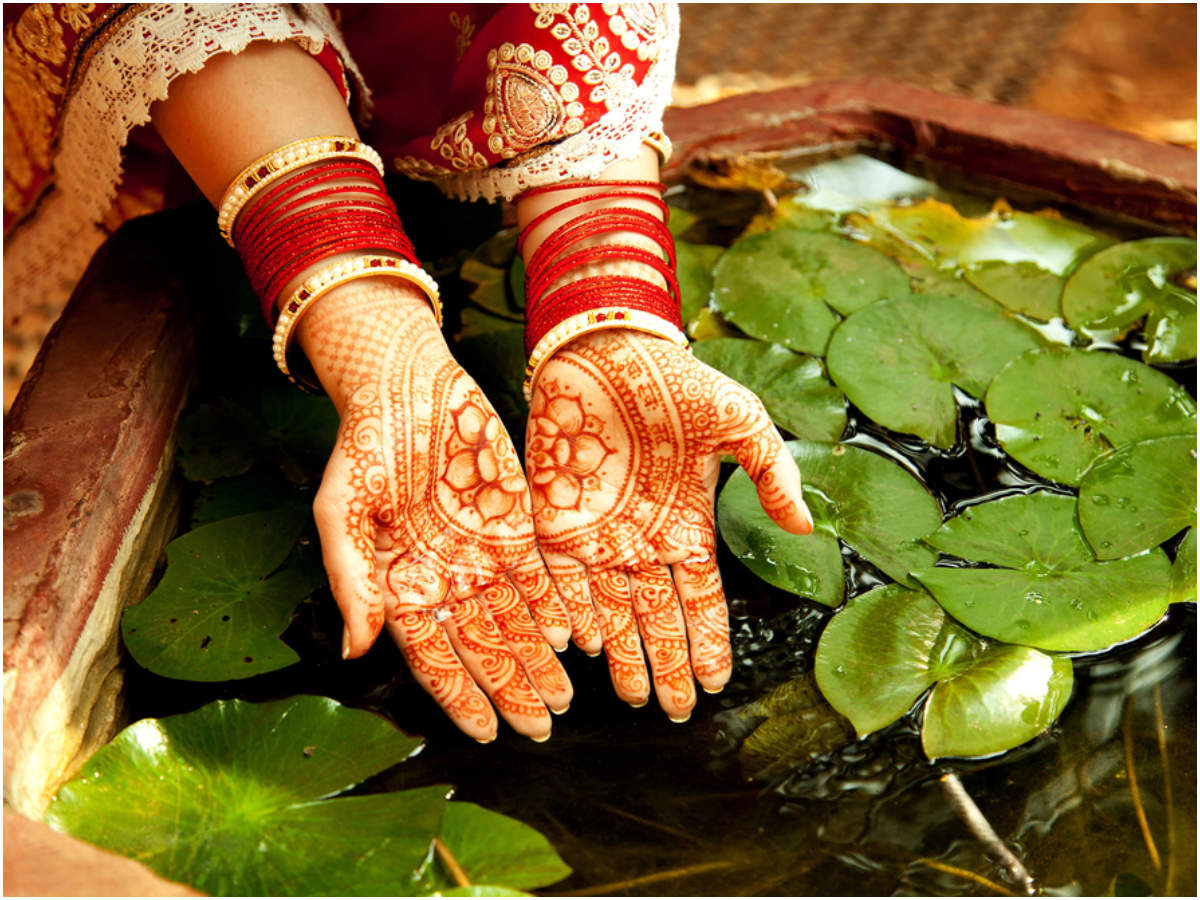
564	449
484	480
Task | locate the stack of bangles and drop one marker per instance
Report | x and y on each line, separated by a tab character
561	305
316	201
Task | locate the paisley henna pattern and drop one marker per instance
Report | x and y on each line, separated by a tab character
425	519
641	425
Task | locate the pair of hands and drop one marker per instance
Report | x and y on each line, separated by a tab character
429	527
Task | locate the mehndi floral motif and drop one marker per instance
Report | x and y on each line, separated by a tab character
566	446
489	483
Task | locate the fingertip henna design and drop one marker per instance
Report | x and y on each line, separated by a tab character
611	595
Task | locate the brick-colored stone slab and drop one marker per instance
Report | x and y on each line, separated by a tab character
84	461
1087	165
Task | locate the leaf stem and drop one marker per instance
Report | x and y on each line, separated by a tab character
451	864
613	886
975	820
967	874
1135	792
1160	730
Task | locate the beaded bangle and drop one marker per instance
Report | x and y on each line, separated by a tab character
661	144
338	273
277	163
595	320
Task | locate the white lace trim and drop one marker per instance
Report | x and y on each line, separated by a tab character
133	70
617	135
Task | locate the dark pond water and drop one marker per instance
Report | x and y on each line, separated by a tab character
640	806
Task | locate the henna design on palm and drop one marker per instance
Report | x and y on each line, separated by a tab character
623	449
425	519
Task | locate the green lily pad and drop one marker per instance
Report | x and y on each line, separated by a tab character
694	269
898	360
793	388
1122	284
1048	591
1058	410
1024	287
881	652
239	799
490	289
1183	571
224	601
858	496
1139	495
260	490
680	221
280	425
791	212
783	286
937	231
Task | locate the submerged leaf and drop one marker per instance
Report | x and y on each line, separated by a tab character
783	286
858	496
1048	590
898	360
792	387
1058	410
260	490
1146	278
490	288
224	601
881	652
1139	495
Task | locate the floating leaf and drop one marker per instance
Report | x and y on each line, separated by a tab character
239	799
496	850
937	231
793	388
1183	571
490	288
1139	495
709	324
898	360
870	503
680	221
694	269
1024	287
1058	410
1049	591
881	652
224	601
256	491
780	286
1146	278
477	322
791	212
497	363
233	800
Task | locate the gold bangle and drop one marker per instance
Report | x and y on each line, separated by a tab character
279	162
595	320
338	273
661	143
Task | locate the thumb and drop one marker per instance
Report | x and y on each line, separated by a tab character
765	457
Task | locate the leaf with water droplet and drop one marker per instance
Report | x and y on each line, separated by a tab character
1161	474
895	643
792	387
872	504
783	286
1135	280
1086	605
1058	410
898	360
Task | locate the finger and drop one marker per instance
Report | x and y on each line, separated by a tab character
347	529
765	457
523	637
438	669
622	646
481	647
571	579
542	600
707	618
660	621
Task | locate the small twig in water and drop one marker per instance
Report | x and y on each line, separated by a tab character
962	803
1131	773
967	874
649	823
613	886
451	864
1168	796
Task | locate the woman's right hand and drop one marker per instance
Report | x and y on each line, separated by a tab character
424	516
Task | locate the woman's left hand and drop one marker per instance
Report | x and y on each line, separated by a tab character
623	448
